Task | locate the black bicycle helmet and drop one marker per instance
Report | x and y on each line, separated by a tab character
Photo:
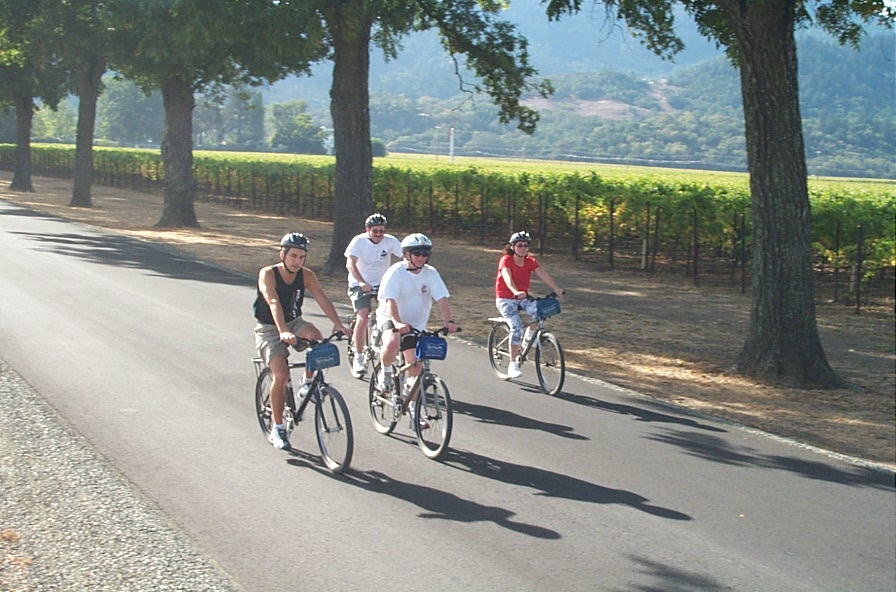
519	237
295	239
375	219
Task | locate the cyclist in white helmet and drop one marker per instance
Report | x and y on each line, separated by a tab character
406	295
278	312
367	258
515	271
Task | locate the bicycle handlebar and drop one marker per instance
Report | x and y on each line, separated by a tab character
551	295
435	332
302	343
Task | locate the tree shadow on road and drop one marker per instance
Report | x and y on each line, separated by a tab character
718	450
494	416
122	251
641	413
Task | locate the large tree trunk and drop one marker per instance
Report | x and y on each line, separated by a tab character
177	155
350	109
21	175
89	77
782	340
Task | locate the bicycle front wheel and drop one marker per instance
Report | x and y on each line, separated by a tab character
549	364
499	349
433	420
380	409
333	426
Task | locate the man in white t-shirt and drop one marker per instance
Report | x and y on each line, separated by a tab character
367	257
406	295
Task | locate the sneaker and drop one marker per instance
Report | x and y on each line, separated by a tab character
303	390
513	370
360	364
384	383
424	425
279	439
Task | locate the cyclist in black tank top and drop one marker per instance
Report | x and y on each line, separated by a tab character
292	295
278	310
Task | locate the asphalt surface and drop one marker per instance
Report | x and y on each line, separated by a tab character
134	460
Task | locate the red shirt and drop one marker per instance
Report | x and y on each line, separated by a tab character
521	274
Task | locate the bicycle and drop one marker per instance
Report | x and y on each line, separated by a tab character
550	365
368	351
332	422
432	418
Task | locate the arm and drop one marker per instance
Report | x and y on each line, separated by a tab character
392	312
313	285
267	285
546	278
351	264
508	279
445	309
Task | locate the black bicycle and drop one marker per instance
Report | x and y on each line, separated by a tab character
550	365
332	422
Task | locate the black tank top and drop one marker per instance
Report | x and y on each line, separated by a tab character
291	297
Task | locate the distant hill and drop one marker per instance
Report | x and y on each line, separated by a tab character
617	102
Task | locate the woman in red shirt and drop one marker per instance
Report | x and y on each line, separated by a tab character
511	288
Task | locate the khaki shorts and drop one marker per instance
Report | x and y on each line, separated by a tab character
267	339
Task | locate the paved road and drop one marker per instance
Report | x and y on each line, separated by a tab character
147	356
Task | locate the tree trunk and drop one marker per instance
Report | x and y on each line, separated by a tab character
350	109
89	77
21	175
782	340
177	155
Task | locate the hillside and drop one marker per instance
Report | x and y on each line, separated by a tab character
692	118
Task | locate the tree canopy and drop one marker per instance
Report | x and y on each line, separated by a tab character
758	37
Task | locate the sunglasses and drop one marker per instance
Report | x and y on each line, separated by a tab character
420	252
376	231
522	245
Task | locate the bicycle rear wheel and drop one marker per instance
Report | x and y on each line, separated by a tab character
263	404
263	400
499	349
380	410
433	419
550	365
350	351
333	426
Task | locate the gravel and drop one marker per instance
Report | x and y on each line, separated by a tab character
69	522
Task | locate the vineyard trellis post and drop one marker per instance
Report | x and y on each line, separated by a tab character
431	212
482	215
656	238
743	253
646	242
456	209
696	249
837	261
611	243
576	231
860	231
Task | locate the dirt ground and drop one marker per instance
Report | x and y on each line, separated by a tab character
660	336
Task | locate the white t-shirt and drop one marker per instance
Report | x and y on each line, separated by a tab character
373	258
414	294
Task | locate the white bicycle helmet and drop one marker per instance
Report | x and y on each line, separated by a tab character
520	237
415	241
